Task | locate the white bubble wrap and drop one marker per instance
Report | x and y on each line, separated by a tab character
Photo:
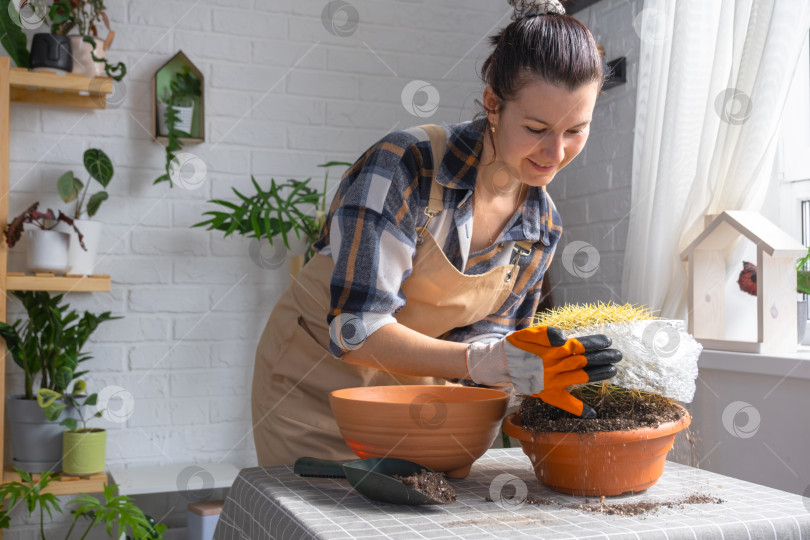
658	356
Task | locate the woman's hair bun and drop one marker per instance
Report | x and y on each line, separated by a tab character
532	8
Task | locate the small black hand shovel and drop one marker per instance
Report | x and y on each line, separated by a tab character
373	477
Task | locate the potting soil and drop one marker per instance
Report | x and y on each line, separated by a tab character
432	484
617	409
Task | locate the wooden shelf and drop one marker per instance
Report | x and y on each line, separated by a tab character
69	90
16	281
63	484
185	140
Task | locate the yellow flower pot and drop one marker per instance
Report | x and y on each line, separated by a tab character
84	453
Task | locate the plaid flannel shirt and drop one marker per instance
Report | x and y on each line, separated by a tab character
371	229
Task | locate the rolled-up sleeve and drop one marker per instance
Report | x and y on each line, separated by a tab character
372	238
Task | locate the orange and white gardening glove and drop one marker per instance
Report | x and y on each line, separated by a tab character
541	362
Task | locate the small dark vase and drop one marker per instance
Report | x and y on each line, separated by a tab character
51	52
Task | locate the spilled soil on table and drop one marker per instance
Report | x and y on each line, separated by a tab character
623	509
617	409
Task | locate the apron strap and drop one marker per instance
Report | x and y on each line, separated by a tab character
438	145
522	248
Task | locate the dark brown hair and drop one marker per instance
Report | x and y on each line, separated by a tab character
555	48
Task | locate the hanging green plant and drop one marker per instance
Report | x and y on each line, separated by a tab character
184	88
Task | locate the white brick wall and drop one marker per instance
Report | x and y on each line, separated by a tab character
282	95
593	192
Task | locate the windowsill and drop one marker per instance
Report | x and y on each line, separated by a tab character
795	365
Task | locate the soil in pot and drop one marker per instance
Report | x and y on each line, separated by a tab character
617	409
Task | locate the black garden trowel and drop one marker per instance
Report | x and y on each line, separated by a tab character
373	477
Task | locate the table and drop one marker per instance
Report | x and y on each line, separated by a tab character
271	502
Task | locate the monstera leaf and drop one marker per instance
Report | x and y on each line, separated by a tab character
11	34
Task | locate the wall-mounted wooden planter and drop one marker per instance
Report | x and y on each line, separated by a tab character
160	87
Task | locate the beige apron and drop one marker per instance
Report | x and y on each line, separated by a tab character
294	371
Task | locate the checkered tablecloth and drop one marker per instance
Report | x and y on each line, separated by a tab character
272	502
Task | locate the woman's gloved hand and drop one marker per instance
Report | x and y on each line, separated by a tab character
562	362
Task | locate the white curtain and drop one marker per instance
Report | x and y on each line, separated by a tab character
712	82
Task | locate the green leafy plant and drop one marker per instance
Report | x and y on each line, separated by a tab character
44	220
183	89
52	408
100	169
115	512
283	208
11	33
48	345
803	273
31	493
84	16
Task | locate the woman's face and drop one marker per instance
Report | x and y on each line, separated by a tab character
542	129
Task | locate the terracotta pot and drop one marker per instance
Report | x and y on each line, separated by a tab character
601	463
444	428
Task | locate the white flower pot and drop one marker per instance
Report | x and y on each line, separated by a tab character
184	117
48	251
81	261
83	63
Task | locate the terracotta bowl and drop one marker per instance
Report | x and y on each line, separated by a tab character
444	428
606	463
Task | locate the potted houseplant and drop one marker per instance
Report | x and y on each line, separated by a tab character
84	450
272	215
624	448
89	51
747	282
114	512
175	115
48	248
82	258
48	348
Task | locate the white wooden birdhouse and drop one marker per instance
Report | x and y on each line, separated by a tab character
777	253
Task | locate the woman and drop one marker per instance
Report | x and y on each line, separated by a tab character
431	260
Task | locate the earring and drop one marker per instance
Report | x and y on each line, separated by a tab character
492	129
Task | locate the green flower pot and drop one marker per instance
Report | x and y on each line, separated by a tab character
84	453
